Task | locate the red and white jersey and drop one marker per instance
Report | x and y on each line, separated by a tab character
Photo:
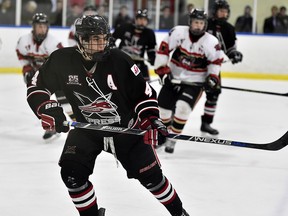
33	54
192	59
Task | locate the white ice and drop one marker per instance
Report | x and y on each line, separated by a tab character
212	180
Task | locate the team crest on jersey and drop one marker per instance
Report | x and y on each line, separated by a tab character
99	111
73	80
135	70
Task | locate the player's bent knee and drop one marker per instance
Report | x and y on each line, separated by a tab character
183	109
149	181
73	174
165	113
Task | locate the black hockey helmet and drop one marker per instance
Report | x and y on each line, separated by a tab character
93	25
220	4
199	15
39	18
141	13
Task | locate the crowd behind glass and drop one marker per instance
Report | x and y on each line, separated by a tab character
168	14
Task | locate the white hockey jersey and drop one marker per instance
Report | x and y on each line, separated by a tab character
189	60
33	54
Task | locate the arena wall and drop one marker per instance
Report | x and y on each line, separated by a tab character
265	56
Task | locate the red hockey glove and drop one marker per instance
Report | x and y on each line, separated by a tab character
212	83
52	116
156	131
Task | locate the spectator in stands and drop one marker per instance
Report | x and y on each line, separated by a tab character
102	12
122	17
7	13
166	20
184	17
282	28
88	10
44	6
76	11
271	22
28	11
244	23
58	14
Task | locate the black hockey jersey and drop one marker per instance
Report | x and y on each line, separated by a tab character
136	44
225	33
110	92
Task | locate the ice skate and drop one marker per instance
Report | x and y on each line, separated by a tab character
101	212
184	213
169	146
49	134
205	127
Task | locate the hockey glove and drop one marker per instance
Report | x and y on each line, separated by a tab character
28	76
235	56
212	83
165	76
52	116
156	131
28	73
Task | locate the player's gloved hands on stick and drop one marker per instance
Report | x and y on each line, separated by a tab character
235	56
156	131
52	117
165	75
212	83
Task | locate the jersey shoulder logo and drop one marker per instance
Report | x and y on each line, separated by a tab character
135	69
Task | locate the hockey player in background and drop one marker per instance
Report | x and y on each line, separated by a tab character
33	49
136	40
225	32
196	58
88	10
94	79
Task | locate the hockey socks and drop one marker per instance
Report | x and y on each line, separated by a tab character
84	199
166	194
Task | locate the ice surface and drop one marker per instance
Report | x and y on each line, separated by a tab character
212	180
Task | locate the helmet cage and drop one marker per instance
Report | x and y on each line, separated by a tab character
221	4
197	14
141	14
93	31
39	18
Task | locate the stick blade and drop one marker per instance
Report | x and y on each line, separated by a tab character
278	144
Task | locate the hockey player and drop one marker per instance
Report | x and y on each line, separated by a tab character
94	79
33	49
225	32
136	40
88	10
196	58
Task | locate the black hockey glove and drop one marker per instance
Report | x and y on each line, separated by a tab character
165	75
156	131
235	56
212	83
28	73
52	116
28	76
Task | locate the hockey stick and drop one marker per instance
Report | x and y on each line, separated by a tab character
179	82
272	146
